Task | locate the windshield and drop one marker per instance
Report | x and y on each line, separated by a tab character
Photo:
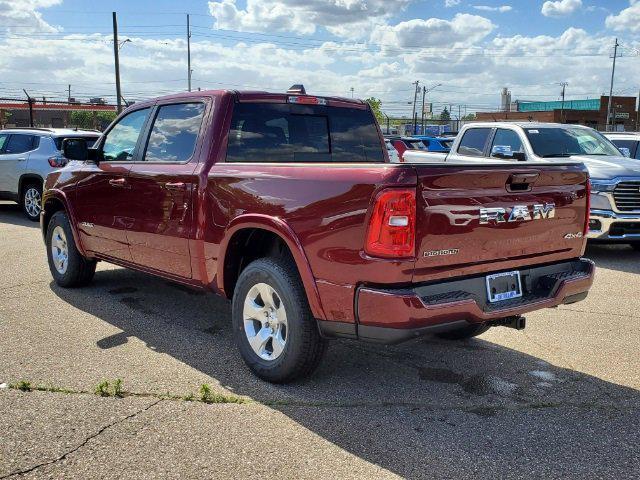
564	142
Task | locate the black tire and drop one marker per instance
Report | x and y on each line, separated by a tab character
31	192
464	332
635	246
304	347
79	270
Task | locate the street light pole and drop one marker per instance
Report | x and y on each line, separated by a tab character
117	61
564	86
188	53
415	99
613	72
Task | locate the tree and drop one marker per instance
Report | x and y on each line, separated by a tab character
471	116
376	107
445	115
91	119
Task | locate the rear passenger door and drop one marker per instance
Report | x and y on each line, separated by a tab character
13	160
473	144
163	183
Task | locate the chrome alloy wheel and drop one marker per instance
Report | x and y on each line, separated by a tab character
32	201
265	321
59	250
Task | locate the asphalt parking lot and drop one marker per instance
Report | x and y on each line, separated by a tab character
557	400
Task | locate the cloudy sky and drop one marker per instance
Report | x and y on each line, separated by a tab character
472	48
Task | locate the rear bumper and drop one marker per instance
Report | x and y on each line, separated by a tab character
395	315
608	226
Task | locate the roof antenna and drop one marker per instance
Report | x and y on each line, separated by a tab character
297	89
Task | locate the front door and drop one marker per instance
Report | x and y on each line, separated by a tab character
103	212
162	184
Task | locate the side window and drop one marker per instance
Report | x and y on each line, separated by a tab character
21	143
174	133
473	142
120	143
508	139
637	155
3	140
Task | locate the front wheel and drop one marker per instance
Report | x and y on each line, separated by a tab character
274	329
31	200
68	267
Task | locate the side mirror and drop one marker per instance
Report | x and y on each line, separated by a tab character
625	151
75	149
505	152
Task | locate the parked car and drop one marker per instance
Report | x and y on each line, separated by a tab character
436	144
615	179
402	144
627	143
27	155
287	205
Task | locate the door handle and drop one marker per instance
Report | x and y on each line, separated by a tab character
521	182
174	186
119	182
22	159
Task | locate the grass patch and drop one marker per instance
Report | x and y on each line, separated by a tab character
23	386
208	396
117	388
102	389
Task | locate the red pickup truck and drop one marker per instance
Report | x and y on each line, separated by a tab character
287	205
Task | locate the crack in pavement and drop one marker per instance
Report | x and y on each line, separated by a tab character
87	440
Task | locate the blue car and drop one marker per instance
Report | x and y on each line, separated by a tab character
436	144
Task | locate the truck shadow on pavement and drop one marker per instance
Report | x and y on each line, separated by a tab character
427	408
614	257
11	213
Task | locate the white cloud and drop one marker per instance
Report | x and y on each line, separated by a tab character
434	31
22	16
451	3
560	8
627	19
487	8
345	18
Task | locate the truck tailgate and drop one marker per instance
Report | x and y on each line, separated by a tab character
531	215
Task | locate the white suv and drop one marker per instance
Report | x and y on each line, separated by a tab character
27	156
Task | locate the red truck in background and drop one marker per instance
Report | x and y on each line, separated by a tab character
287	205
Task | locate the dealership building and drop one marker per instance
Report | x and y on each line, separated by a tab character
590	112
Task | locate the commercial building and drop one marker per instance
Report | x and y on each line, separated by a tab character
17	113
590	112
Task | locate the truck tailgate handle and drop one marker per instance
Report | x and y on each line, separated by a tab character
521	182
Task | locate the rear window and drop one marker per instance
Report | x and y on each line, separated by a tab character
474	141
90	141
263	132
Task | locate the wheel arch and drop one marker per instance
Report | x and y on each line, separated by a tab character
54	201
28	178
261	230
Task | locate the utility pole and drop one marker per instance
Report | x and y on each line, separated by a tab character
424	93
351	92
564	86
188	53
117	61
613	72
30	100
69	96
415	99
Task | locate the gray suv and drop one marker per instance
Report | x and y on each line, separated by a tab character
27	155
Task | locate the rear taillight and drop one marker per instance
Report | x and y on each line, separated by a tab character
57	162
588	213
392	226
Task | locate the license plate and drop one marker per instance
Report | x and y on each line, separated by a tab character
503	286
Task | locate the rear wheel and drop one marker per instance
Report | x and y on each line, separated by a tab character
31	200
465	332
274	329
68	267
